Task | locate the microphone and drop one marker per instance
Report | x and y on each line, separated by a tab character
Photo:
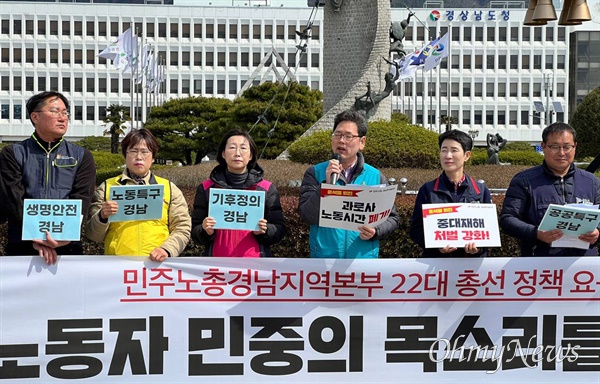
335	176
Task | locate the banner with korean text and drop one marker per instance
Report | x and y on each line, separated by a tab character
109	319
352	206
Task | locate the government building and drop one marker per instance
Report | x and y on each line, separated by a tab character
500	77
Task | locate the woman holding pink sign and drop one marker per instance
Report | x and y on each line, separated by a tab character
237	170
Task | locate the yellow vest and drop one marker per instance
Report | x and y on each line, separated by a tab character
138	238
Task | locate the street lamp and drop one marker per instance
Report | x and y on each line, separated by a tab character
548	88
473	133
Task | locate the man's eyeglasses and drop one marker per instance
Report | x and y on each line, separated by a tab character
347	136
556	148
143	152
57	114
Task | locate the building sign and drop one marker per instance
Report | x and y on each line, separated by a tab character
472	15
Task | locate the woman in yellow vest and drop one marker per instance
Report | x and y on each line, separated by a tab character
158	239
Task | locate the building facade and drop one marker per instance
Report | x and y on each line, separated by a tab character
497	67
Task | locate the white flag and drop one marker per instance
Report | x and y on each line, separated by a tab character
437	52
116	51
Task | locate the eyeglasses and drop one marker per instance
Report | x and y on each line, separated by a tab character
143	152
235	149
57	113
556	148
347	136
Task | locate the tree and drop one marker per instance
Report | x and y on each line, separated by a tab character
188	129
448	121
116	117
586	121
289	113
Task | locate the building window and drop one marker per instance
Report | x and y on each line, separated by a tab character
245	31
78	84
162	30
114	29
114	85
233	31
314	60
185	86
17	57
78	28
41	27
501	118
150	30
197	59
197	31
78	112
210	59
42	83
256	32
512	118
5	107
478	89
280	32
466	90
198	87
5	55
54	83
54	56
17	112
221	31
537	33
66	84
537	90
29	83
467	61
17	86
78	56
514	62
245	59
54	27
478	61
102	28
173	59
549	34
90	85
454	89
524	89
466	117
174	31
292	32
549	62
561	34
537	61
514	90
232	87
185	31
502	34
560	62
478	33
501	90
220	87
29	27
514	33
5	27
560	90
90	112
491	34
17	27
185	59
501	61
210	31
233	59
489	117
66	28
467	34
524	117
90	56
221	59
455	34
269	32
41	56
102	85
89	28
66	56
316	32
455	61
490	62
209	87
29	55
525	62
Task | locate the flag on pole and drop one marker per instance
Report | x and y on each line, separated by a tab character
118	50
407	66
131	54
436	53
146	55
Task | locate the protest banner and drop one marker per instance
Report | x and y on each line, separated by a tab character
137	202
572	221
234	320
60	218
351	206
457	224
236	209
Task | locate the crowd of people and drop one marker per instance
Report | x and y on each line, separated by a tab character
47	166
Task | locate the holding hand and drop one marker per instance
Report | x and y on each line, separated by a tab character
158	254
207	224
550	236
46	248
590	237
262	227
366	232
109	208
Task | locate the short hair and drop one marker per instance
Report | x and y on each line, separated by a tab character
40	99
223	144
466	142
558	128
355	117
135	136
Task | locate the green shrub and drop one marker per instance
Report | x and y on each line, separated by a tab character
389	145
106	173
108	160
95	143
518	146
479	157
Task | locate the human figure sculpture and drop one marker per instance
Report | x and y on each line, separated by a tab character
336	5
494	144
397	33
370	99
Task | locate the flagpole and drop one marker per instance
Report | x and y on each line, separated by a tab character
448	87
132	105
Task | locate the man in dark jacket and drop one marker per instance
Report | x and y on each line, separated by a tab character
44	166
452	186
556	181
